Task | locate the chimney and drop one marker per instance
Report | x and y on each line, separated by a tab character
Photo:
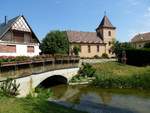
5	20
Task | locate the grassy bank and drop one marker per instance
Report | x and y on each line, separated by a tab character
116	75
28	105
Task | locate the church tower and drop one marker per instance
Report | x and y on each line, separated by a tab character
107	32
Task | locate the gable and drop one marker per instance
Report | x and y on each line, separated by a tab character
21	25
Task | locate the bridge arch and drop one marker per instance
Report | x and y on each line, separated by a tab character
52	81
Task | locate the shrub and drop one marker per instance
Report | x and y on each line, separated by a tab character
9	87
138	57
105	55
147	45
87	70
97	57
107	80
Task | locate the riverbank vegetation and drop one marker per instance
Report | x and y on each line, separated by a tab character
117	75
36	102
31	105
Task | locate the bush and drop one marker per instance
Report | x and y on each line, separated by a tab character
138	57
9	87
147	45
107	80
87	70
105	55
97	57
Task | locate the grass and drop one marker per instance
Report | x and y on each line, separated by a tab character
28	105
116	75
118	69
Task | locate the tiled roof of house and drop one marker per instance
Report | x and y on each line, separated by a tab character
83	37
4	27
141	37
105	23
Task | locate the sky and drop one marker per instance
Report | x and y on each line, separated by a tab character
129	16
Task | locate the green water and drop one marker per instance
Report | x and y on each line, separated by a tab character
90	98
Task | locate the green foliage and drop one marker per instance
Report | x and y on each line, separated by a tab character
22	58
138	57
116	75
55	42
97	57
43	93
9	87
147	45
118	47
105	55
76	50
107	80
87	70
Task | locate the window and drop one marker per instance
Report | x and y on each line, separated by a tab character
109	33
109	43
97	48
109	51
30	49
18	36
139	45
8	48
89	49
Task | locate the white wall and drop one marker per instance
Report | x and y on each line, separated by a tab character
21	50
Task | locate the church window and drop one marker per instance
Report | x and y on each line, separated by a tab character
109	33
89	49
97	48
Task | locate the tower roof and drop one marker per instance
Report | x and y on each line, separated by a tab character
105	23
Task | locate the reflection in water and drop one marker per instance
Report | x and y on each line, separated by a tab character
94	100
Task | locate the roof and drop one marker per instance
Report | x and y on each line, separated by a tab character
5	27
141	37
83	37
105	23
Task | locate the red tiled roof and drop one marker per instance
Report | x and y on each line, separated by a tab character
83	37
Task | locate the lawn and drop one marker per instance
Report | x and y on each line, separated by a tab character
117	75
118	69
24	105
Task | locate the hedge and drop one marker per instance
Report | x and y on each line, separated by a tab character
138	57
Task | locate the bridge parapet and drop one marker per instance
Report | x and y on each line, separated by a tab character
27	68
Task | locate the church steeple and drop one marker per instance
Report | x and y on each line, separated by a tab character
105	23
106	30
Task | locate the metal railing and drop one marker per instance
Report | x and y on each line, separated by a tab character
26	68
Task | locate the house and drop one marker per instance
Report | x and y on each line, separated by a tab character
139	40
94	43
17	38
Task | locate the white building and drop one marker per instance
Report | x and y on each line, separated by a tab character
17	38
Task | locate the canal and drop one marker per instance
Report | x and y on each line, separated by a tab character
96	100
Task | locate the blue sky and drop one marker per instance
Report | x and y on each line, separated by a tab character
129	16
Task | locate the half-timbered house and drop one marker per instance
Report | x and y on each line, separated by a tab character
17	38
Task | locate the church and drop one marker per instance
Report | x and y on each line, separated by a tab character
94	43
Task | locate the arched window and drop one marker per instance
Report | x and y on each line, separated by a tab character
109	33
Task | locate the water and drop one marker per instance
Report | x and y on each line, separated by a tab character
95	100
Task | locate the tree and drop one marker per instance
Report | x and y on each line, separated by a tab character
147	45
118	47
55	42
76	50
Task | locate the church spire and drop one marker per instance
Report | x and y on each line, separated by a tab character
105	23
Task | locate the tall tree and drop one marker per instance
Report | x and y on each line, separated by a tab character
55	42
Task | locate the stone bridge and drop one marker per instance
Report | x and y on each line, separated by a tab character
32	74
29	83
